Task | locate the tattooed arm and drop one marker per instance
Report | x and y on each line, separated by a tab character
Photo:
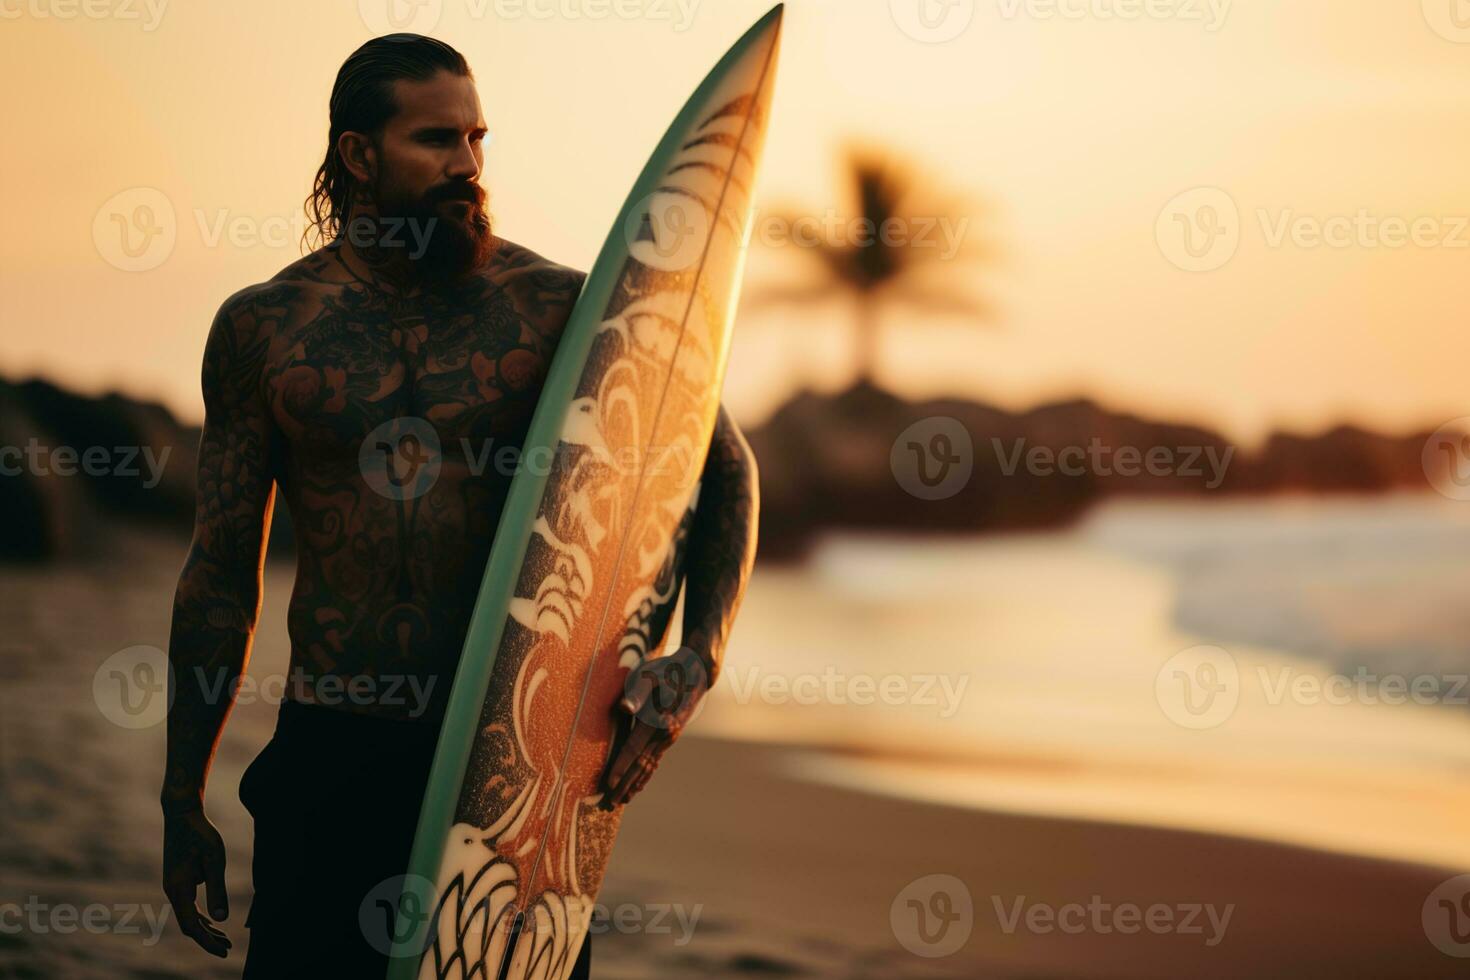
717	564
216	606
721	544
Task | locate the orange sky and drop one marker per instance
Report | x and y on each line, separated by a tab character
1068	135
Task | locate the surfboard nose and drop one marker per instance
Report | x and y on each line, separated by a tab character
757	53
772	21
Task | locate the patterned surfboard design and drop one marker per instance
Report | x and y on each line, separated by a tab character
512	844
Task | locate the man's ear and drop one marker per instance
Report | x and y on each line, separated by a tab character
359	155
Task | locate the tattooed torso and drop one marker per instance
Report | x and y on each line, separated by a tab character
388	570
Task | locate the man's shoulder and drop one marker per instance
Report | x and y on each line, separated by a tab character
517	267
247	308
303	281
317	271
542	291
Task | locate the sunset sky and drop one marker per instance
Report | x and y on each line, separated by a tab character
1065	137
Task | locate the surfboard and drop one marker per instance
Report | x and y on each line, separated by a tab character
582	579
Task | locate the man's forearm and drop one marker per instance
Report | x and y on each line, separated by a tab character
209	647
722	543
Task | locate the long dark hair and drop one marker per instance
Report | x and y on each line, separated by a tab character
362	102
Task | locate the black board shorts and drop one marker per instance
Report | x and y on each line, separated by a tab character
335	797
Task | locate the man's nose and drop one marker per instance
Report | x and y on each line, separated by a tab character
464	166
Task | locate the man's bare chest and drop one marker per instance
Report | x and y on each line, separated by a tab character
351	364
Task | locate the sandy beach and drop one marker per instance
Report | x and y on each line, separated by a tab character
799	880
730	865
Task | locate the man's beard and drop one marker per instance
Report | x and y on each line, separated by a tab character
440	244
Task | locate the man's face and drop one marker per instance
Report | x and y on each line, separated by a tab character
429	158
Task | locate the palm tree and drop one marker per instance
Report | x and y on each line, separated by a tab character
887	271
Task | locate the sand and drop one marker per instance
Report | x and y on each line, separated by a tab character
734	866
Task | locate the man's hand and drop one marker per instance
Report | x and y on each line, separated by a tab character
660	698
194	854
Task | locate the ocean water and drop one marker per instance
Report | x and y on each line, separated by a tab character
1070	673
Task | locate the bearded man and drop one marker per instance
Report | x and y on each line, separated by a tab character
413	309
